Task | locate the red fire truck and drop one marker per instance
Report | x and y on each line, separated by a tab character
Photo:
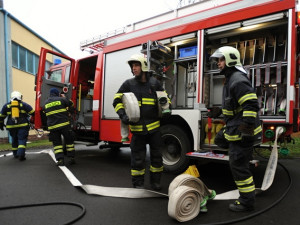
178	45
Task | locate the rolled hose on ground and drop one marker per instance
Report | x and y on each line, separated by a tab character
83	210
186	193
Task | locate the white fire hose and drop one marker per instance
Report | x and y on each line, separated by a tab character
132	109
186	192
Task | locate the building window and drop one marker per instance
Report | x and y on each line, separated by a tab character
24	59
14	52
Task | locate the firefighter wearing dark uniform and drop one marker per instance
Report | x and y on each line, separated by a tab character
147	129
240	110
18	113
57	110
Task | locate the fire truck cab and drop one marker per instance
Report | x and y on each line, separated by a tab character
178	51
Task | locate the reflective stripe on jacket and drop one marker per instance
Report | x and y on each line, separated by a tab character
239	105
56	109
146	96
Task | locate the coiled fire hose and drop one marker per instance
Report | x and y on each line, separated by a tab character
186	194
132	109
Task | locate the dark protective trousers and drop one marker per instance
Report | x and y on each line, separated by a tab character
56	138
19	140
240	153
138	155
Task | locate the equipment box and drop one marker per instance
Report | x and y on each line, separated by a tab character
188	51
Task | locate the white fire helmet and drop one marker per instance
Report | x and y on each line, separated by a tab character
231	55
141	59
15	95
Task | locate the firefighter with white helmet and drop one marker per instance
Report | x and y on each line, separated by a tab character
240	110
18	115
147	129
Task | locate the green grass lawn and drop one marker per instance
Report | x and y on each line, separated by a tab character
35	144
290	150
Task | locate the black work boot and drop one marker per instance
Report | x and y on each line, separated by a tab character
138	182
155	180
238	207
60	162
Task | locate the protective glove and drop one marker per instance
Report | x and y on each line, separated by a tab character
1	126
247	134
246	129
124	118
214	112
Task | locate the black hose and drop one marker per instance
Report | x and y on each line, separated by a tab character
83	210
263	210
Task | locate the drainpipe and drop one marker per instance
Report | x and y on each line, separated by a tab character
7	75
6	57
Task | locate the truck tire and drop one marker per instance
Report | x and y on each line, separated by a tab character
175	146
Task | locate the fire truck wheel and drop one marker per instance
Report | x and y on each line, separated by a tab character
175	146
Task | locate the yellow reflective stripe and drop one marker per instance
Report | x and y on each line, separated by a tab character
227	112
136	127
1	115
152	126
232	137
119	106
139	103
51	104
70	147
247	97
250	114
58	149
137	172
257	130
14	149
156	169
17	125
169	100
118	95
231	113
22	146
8	113
56	111
243	182
148	101
247	189
30	112
58	125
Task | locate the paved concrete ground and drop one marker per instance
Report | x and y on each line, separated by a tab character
38	180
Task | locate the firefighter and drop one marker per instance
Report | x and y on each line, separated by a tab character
57	109
19	114
147	129
240	110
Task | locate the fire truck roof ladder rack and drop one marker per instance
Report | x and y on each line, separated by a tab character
97	43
